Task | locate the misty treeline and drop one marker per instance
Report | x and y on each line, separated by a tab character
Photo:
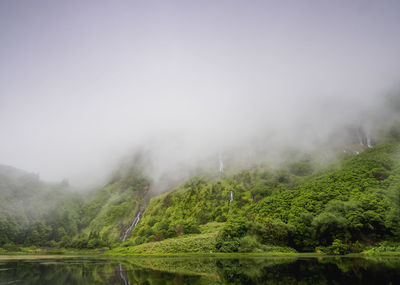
36	213
305	203
33	212
343	208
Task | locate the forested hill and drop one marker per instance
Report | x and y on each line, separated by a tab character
107	218
342	207
352	204
33	211
36	213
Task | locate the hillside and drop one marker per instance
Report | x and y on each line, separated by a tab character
114	208
344	206
33	211
348	205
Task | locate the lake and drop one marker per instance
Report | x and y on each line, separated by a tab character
198	270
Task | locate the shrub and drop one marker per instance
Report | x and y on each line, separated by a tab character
11	247
338	247
234	228
273	232
66	241
249	244
231	245
191	227
96	243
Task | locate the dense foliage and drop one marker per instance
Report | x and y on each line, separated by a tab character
35	213
337	209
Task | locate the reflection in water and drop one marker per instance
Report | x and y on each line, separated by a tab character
123	276
205	270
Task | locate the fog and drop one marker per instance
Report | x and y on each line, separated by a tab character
85	84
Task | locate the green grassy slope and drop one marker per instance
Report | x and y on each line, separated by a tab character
114	207
342	208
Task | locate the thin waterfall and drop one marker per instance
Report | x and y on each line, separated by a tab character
221	163
231	200
134	224
368	136
359	137
364	137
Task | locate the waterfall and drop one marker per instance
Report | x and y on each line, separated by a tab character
364	137
123	276
369	143
231	200
360	138
134	224
221	163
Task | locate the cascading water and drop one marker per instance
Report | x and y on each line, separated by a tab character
369	144
368	136
221	164
134	224
360	137
364	137
231	200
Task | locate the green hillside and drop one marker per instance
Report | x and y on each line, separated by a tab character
33	211
114	207
349	205
346	206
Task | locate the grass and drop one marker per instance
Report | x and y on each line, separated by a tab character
34	251
211	227
202	243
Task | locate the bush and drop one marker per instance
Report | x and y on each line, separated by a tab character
273	232
11	247
328	226
53	244
249	244
79	242
191	227
66	241
235	228
338	247
96	243
228	237
231	245
221	218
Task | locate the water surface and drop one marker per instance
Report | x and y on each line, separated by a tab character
199	270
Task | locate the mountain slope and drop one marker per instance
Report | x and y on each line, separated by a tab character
350	203
33	211
303	205
114	207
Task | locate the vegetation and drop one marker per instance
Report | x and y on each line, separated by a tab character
204	243
341	210
34	213
349	206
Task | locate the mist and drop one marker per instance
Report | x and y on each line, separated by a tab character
84	84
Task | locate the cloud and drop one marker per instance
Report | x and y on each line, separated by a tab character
82	84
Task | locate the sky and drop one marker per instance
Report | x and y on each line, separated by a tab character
83	83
